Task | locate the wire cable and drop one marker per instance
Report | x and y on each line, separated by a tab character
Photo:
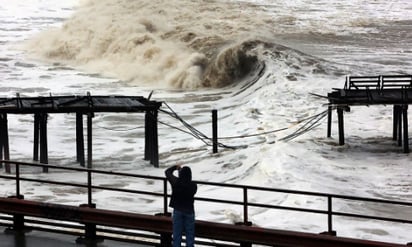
309	123
312	123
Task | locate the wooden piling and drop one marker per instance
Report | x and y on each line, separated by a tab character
151	151
79	139
405	129
43	141
147	136
36	136
329	133
395	122
89	140
340	126
4	140
155	141
399	126
214	130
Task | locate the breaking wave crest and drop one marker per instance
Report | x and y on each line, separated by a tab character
157	43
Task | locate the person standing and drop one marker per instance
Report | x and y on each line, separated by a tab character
182	202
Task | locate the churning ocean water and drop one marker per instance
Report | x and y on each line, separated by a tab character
256	62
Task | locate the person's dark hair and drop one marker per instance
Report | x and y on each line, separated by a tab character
185	174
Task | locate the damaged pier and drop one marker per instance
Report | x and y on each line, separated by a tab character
87	106
393	90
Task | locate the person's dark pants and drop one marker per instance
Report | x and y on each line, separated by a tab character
183	222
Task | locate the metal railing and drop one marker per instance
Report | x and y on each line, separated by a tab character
244	192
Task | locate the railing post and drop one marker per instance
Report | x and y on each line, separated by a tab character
246	221
245	202
17	180
330	218
165	237
165	196
89	187
330	222
90	235
18	219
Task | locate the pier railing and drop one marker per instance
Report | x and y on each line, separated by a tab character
242	195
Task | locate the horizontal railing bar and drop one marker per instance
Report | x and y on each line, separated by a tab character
306	193
82	170
249	187
53	182
396	76
371	217
364	199
316	211
43	165
53	230
85	186
129	233
34	223
218	200
128	191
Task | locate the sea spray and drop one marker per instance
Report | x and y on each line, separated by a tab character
143	43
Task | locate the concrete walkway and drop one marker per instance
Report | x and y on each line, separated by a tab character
46	239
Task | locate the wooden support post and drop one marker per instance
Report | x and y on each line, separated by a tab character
395	122
340	126
165	239
1	139
214	131
79	139
329	133
36	137
151	149
1	142
405	129
89	140
43	141
155	142
147	136
4	140
90	237
18	225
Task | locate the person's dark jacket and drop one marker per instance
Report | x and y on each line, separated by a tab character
183	189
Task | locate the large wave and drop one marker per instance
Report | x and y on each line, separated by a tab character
177	43
156	43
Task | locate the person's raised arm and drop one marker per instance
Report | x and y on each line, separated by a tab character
169	173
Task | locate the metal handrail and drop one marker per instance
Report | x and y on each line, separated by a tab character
329	211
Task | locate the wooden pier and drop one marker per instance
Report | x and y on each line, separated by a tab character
41	107
393	90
